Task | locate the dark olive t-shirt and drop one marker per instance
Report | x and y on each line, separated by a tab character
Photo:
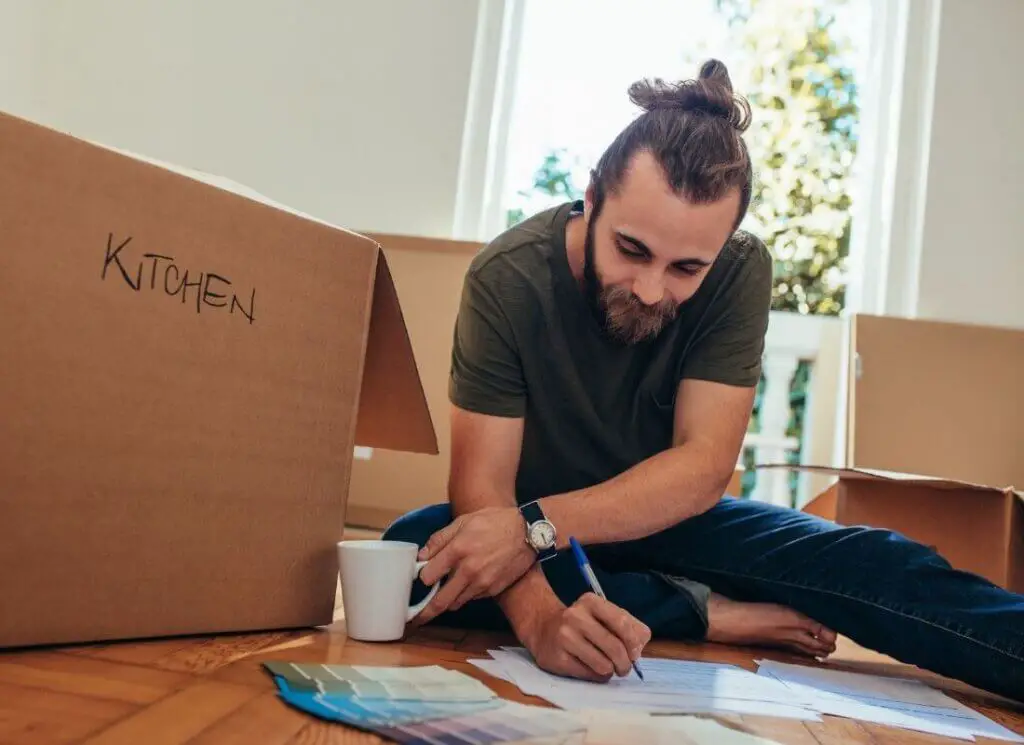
527	345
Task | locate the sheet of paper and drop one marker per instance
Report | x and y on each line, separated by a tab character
898	702
615	727
669	686
493	668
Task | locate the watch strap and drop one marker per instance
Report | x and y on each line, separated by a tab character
532	513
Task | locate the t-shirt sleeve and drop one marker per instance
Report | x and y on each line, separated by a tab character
486	370
731	350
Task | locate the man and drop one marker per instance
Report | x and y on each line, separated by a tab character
604	365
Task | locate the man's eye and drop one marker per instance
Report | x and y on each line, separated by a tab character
688	269
629	251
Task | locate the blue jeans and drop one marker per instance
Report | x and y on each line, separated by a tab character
874	586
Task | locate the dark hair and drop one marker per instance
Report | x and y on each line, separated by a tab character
694	130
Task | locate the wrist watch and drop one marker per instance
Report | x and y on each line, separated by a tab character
540	532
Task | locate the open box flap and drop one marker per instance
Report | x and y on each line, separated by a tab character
869	474
393	412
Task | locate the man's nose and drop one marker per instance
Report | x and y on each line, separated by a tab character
648	288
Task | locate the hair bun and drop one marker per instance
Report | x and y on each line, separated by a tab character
715	71
711	94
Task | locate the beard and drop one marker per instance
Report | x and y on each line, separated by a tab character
618	311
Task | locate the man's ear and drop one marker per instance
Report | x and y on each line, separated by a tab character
588	200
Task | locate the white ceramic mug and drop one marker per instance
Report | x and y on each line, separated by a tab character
376	582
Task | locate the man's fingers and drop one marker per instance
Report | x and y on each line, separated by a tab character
597	664
438	567
633	634
438	541
611	646
468	593
449	591
566	664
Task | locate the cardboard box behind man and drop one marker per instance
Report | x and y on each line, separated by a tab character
935	442
185	374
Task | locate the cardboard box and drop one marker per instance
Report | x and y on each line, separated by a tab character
936	398
976	528
186	371
933	441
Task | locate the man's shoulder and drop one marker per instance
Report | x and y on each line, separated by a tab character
519	256
744	265
745	246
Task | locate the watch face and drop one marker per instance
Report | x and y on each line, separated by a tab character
542	534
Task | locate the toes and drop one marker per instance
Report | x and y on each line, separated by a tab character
826	638
827	635
805	649
808	644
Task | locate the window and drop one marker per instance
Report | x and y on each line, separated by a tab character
799	62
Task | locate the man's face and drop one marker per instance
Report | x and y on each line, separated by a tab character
647	250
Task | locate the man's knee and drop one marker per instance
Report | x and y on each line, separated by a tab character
417	526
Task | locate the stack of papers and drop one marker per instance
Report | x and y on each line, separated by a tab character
435	705
898	702
618	727
669	687
777	689
415	704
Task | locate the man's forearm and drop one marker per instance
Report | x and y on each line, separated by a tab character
651	496
526	600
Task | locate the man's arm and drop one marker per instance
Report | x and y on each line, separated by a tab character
485	453
685	480
593	638
488	395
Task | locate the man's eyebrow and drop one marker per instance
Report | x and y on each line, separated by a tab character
640	246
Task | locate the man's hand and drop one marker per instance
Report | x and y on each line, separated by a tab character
591	639
482	553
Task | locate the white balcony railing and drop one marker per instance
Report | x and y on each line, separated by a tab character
792	339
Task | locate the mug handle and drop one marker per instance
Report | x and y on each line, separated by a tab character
418	608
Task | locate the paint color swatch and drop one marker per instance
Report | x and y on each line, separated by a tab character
415	704
433	683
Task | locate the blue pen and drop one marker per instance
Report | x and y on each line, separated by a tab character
588	574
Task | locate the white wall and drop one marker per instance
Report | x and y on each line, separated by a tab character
19	25
972	252
940	236
352	111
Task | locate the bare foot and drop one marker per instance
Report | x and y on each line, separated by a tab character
766	624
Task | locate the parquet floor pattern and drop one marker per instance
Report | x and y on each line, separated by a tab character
213	690
208	690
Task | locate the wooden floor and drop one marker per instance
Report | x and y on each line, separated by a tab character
214	690
206	690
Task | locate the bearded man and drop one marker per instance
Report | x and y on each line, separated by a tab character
605	359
